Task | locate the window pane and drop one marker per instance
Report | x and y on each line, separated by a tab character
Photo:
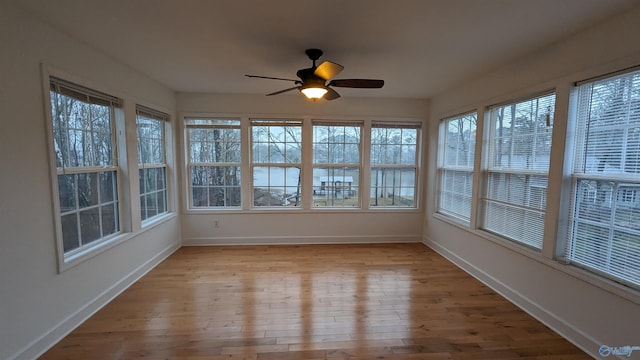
152	204
70	238
516	223
109	219
150	140
88	189
456	154
215	185
108	191
392	187
81	132
276	186
455	193
336	144
90	225
214	156
83	137
517	189
521	137
519	151
335	187
67	190
605	231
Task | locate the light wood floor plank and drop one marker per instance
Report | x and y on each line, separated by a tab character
376	301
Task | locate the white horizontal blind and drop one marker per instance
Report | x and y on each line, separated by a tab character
519	149
605	223
456	153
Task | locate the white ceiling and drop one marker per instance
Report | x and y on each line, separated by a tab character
419	47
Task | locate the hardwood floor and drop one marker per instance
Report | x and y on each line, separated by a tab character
396	301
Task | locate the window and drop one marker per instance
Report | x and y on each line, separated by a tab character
604	231
394	165
87	169
518	155
276	162
336	164
151	161
214	162
456	153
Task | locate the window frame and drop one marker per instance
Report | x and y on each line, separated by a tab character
489	170
325	189
285	165
189	165
395	166
442	168
162	120
72	257
581	171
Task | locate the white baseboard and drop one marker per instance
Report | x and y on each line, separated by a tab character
300	240
554	322
40	345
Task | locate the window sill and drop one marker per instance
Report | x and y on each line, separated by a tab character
69	261
157	220
315	210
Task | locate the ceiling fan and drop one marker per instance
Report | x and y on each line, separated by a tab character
313	81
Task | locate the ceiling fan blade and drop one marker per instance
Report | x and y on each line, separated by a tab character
271	78
283	91
328	69
331	94
357	83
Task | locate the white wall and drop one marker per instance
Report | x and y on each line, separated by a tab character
580	306
307	226
38	305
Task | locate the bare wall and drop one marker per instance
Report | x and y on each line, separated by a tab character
306	226
38	305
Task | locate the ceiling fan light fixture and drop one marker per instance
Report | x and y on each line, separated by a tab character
313	92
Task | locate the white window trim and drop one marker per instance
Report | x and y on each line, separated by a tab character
369	126
77	256
486	152
165	119
288	121
246	189
441	168
188	164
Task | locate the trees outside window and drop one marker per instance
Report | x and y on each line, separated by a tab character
336	164
276	162
604	234
456	156
214	165
518	152
151	161
86	166
394	163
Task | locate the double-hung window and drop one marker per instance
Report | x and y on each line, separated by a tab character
336	164
152	167
394	165
456	152
518	155
604	231
86	164
214	166
276	162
